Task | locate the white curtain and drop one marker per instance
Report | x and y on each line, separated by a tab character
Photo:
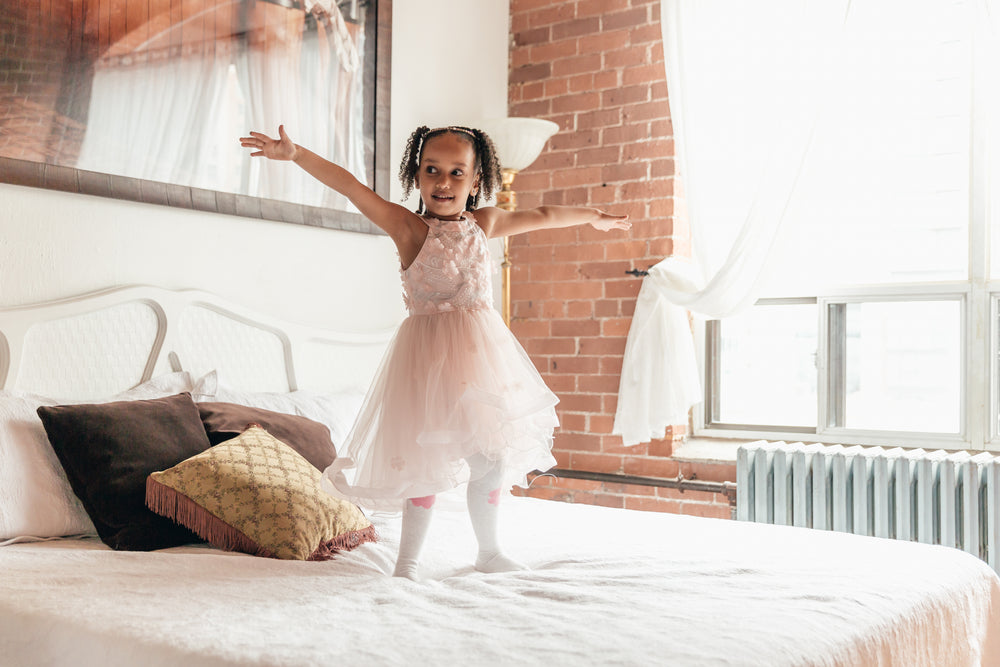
765	99
153	120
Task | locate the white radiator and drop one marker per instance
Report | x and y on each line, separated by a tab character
935	497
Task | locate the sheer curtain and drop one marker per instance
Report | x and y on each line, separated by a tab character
800	129
153	120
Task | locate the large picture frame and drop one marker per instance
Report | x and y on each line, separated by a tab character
48	46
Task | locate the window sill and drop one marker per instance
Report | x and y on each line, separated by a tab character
708	450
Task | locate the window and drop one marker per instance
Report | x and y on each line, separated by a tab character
879	320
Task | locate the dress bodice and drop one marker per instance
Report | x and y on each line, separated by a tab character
451	271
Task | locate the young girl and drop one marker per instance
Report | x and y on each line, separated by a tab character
456	399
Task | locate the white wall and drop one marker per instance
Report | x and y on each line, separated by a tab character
449	66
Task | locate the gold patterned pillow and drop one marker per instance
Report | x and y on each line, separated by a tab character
257	495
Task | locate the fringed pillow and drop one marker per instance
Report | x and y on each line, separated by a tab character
257	495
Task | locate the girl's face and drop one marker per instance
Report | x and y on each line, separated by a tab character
447	175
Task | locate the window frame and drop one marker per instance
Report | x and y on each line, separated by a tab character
980	369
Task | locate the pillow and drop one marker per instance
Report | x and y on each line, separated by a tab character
36	500
108	450
257	495
225	421
336	410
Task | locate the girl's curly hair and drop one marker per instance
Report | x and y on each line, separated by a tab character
487	162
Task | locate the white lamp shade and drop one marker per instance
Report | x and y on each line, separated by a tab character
518	140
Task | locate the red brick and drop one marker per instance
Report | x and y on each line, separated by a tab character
560	384
630	56
533	72
583	308
625	19
649	149
600	423
577	290
573	422
598	383
601	346
580	83
606	41
576	328
531	108
550	346
580	442
611	365
583	175
651	467
576	27
622	289
651	34
598	156
616	326
592	462
530	329
577	65
563	48
575	140
599	119
599	7
629	171
533	36
554	309
555	12
606	308
581	402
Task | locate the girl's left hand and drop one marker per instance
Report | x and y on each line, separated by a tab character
607	222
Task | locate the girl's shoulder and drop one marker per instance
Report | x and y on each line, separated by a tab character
486	217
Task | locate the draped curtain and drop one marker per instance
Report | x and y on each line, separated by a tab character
785	132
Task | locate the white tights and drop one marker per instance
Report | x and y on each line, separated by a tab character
483	497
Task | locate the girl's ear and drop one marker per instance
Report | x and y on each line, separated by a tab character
475	184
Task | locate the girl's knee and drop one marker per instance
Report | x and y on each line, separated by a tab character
426	502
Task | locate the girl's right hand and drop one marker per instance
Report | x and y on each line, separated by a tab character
281	148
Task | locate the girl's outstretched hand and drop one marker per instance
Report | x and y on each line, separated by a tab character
607	222
281	148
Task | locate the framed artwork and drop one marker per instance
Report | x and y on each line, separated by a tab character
145	100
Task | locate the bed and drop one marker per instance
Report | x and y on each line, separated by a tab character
605	586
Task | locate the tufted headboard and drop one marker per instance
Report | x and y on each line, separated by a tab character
102	343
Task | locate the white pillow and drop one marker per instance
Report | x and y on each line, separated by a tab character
36	500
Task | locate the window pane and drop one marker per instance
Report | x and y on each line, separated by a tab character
883	196
767	366
904	366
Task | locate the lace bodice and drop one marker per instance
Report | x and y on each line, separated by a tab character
451	271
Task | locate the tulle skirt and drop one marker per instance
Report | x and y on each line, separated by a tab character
451	385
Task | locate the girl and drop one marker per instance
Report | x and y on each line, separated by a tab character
456	399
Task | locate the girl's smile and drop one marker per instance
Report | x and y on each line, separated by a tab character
447	175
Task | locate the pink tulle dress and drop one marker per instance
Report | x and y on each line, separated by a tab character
453	383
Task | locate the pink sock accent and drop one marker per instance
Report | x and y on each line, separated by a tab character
494	498
426	502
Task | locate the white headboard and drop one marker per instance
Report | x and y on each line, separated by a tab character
102	343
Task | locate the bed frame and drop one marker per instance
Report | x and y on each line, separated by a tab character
133	333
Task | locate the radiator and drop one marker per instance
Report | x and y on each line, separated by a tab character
937	497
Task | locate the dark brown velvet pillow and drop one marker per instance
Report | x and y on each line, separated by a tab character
108	450
311	439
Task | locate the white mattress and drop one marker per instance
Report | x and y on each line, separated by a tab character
606	587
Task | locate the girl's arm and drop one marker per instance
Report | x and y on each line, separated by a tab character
397	221
497	223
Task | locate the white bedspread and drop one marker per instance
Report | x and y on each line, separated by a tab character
607	587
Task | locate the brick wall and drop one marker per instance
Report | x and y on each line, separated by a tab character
595	67
35	59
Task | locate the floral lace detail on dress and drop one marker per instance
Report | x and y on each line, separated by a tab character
451	271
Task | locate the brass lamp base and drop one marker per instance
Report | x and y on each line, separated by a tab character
506	200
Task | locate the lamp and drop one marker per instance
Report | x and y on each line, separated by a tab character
519	141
